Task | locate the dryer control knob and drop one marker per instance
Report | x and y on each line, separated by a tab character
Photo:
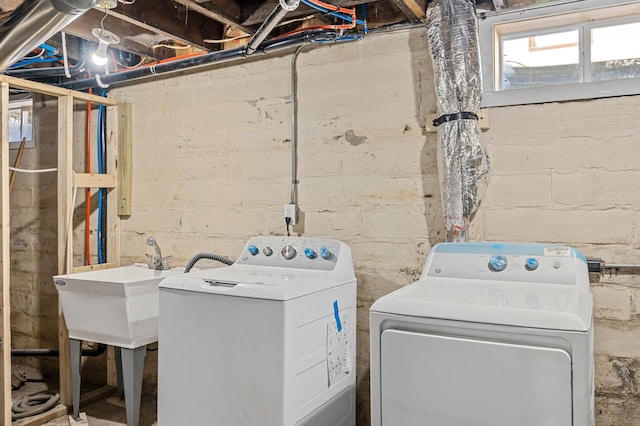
310	253
268	251
325	253
253	250
289	252
531	264
498	263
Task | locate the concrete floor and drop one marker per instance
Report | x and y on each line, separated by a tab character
111	412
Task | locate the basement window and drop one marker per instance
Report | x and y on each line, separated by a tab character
21	123
565	51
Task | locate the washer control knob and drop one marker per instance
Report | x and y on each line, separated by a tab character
498	263
325	253
268	251
253	250
531	264
289	252
310	253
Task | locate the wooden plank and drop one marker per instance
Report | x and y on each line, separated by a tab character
215	13
96	395
124	159
5	316
94	180
46	89
113	220
65	243
95	267
37	420
415	10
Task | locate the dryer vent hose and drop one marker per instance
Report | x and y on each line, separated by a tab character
211	256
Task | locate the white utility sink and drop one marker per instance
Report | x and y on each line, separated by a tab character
117	306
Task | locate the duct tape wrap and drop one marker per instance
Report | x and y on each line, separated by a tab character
463	164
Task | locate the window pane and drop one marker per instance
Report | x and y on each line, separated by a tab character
540	60
613	54
27	125
15	127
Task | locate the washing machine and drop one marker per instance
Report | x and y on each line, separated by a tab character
492	334
267	341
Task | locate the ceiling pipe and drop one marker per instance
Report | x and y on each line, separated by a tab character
270	23
32	23
295	40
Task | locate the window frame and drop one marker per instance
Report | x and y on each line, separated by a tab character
558	16
24	104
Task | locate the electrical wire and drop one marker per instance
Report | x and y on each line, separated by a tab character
65	59
15	169
169	46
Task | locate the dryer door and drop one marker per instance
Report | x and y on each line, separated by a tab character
437	380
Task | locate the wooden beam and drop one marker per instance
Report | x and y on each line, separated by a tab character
46	89
113	219
414	10
133	38
262	12
93	180
65	242
124	159
5	315
94	267
216	13
57	411
184	25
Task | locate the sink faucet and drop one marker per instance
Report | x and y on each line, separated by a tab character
157	261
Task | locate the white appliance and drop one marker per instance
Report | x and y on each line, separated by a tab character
492	334
267	341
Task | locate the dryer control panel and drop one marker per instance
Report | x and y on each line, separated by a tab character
515	262
292	252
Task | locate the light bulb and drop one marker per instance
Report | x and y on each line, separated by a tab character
99	57
105	38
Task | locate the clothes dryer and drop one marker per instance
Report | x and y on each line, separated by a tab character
492	334
267	341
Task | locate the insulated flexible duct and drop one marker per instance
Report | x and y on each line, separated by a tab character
33	22
463	165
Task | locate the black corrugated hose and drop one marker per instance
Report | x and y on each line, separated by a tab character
211	256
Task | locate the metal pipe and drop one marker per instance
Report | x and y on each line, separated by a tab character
268	47
33	22
597	265
270	23
98	350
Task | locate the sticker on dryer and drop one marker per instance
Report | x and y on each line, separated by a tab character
557	251
338	351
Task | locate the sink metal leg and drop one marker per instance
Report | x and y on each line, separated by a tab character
132	366
118	354
75	347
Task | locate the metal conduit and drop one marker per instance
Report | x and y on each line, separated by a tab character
268	47
33	22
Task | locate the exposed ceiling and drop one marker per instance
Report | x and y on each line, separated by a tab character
152	30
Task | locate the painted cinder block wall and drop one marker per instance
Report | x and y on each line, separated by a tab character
211	168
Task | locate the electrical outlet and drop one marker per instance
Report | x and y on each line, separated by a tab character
291	210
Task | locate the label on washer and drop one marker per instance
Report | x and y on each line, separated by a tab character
557	251
338	351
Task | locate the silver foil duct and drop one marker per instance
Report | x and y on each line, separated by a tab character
463	164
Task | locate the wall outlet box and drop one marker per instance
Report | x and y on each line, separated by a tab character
291	211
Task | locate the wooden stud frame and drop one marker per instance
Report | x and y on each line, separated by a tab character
66	183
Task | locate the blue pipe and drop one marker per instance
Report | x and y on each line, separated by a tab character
332	13
25	62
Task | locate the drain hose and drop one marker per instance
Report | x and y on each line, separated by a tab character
28	406
211	256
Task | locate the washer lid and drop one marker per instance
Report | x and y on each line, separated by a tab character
254	281
503	303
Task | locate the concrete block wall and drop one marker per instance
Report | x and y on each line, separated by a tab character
211	154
